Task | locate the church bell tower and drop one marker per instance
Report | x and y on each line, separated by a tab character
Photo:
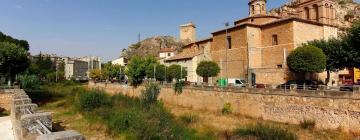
257	7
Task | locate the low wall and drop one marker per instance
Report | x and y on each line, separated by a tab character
31	124
330	110
5	100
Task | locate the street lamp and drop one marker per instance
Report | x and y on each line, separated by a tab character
227	47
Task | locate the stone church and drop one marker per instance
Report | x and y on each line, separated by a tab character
256	47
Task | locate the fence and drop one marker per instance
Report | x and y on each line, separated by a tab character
31	124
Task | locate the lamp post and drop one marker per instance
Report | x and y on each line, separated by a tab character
227	47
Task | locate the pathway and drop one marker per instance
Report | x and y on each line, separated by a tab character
6	131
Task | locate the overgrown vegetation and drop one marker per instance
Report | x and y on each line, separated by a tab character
189	118
264	132
178	87
227	109
131	118
307	124
29	82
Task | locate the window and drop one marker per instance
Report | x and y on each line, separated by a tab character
316	10
280	66
169	54
229	42
307	13
275	40
252	9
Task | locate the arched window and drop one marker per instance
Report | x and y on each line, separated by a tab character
252	9
316	12
307	13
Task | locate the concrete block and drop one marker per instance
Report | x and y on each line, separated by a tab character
63	135
29	124
19	110
21	101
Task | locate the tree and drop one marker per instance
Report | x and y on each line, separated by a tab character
13	60
136	71
351	44
207	69
21	43
177	72
159	71
307	59
95	74
336	54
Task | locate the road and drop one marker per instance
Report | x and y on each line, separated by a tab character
6	131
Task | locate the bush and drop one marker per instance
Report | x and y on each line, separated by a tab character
264	132
178	87
189	119
29	82
307	59
307	124
227	109
91	100
150	94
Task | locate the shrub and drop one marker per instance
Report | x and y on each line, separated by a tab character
227	109
150	94
264	132
29	82
178	87
307	124
189	119
91	100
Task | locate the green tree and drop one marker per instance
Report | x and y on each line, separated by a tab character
351	44
21	43
177	72
95	74
307	59
207	69
159	71
136	70
111	71
336	54
13	60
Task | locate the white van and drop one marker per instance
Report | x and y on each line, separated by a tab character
237	82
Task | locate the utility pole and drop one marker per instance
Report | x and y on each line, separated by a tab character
226	55
181	73
56	68
154	72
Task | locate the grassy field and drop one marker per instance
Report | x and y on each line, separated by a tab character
200	124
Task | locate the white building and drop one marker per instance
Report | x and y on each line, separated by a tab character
93	62
122	61
76	69
189	58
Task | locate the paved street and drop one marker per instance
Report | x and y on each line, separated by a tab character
6	132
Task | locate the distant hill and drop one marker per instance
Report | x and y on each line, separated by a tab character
347	11
152	46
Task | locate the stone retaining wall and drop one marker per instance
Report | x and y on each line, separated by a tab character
330	110
5	100
31	124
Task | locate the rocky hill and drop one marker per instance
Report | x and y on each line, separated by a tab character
347	11
152	46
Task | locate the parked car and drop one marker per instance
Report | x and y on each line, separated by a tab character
237	82
301	84
348	87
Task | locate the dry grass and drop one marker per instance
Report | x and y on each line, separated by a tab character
222	125
65	119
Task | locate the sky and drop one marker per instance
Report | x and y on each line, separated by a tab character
104	27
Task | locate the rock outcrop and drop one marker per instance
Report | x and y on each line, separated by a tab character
151	46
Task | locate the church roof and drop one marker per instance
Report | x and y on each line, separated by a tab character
282	20
184	56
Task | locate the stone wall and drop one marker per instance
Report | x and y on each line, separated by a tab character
330	110
5	101
29	123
